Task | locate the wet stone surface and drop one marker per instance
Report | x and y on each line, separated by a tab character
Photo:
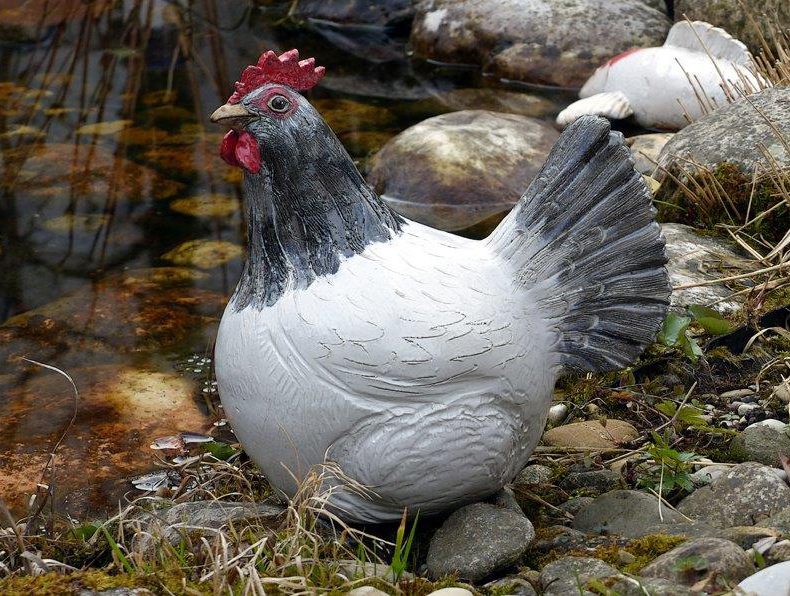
458	169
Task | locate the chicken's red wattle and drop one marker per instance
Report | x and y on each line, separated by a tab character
241	150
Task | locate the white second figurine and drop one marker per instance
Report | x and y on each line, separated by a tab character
660	86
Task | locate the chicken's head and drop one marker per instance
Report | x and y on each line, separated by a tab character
267	106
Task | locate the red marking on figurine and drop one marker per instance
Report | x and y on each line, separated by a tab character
285	69
623	55
240	149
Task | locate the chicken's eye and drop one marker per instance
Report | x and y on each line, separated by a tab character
279	104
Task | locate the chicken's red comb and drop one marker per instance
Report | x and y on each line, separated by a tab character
285	69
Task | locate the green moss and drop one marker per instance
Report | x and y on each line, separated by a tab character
704	209
647	548
644	550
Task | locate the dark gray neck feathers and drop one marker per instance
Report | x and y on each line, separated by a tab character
307	209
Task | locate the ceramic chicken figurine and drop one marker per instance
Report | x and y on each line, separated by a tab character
419	362
660	86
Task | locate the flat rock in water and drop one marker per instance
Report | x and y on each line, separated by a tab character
591	434
746	495
762	443
456	170
566	575
739	17
204	254
478	540
694	258
121	409
139	311
535	41
702	559
771	581
626	513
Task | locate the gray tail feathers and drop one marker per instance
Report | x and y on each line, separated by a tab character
584	242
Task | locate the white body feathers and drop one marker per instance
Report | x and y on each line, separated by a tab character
426	326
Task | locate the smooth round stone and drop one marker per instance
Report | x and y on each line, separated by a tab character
745	495
626	513
557	413
451	592
591	434
710	556
477	540
763	443
456	170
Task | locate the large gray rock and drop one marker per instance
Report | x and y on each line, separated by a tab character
455	170
569	574
478	540
700	559
693	259
745	495
624	513
716	170
733	134
736	16
763	443
537	41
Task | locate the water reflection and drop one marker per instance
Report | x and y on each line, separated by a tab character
120	228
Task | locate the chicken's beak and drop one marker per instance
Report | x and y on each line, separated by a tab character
232	114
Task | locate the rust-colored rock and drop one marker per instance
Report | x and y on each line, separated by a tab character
591	434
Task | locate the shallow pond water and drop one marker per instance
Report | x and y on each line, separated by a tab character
121	235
